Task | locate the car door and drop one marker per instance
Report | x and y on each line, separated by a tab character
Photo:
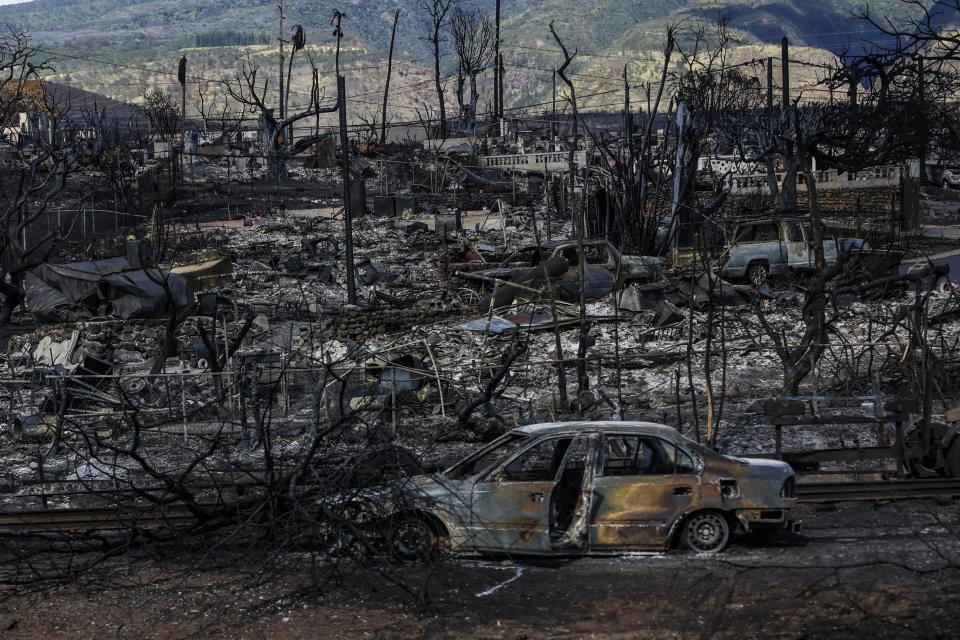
829	248
770	246
643	485
511	506
798	257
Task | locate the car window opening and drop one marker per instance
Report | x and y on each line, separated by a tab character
766	233
744	234
636	456
595	254
570	255
539	463
485	458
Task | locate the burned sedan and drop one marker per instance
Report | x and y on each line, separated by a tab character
585	488
605	270
599	255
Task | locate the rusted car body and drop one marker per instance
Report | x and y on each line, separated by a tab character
600	255
587	488
605	270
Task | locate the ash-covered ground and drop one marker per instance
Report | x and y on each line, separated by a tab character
285	275
418	364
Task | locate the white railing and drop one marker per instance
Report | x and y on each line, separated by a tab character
556	161
882	176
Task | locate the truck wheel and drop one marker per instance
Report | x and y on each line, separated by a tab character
757	274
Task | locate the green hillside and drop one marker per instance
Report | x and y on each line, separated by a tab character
151	35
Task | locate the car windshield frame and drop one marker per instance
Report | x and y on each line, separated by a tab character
516	256
510	442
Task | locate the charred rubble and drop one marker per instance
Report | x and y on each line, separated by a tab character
243	327
251	335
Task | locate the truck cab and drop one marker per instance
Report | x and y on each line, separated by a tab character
763	248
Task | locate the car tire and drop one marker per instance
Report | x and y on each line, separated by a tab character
412	538
706	532
757	274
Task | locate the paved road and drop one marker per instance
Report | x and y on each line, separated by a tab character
877	570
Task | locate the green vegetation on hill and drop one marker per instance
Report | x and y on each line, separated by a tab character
228	38
607	34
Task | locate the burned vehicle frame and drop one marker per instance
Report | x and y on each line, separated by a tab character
600	254
607	270
768	247
581	488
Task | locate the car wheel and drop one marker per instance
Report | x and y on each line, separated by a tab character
758	273
706	532
412	538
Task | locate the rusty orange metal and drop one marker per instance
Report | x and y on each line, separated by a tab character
600	488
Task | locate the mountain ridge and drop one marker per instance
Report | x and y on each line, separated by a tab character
101	35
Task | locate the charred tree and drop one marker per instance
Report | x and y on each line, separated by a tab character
47	151
244	88
386	88
473	40
437	10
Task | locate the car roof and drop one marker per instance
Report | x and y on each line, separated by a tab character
553	244
573	427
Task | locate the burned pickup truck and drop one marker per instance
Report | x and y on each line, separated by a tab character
760	249
605	270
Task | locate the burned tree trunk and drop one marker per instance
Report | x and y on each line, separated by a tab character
386	88
437	11
582	381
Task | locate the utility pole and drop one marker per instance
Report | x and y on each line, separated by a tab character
280	40
182	77
497	80
500	79
924	125
770	83
386	88
785	62
627	129
628	147
547	192
347	208
316	103
553	120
